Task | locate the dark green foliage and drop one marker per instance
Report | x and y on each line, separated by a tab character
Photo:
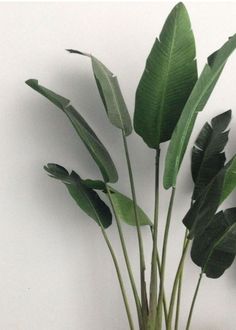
207	154
204	208
214	250
86	198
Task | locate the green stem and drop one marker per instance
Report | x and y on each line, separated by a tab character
131	325
180	287
140	241
164	295
159	271
193	301
153	280
124	249
175	285
163	261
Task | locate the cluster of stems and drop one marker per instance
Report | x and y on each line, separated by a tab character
152	313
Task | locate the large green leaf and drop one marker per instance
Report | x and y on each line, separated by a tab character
110	93
87	199
207	155
214	250
167	81
196	102
124	206
204	208
87	135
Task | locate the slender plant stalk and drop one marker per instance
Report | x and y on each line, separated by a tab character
175	285
124	249
193	301
163	262
153	281
159	271
124	295
164	295
140	240
180	287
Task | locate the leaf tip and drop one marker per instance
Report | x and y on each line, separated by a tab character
32	82
74	51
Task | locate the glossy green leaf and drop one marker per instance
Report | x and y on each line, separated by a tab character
110	93
207	155
86	198
196	102
167	81
204	208
87	135
214	250
125	209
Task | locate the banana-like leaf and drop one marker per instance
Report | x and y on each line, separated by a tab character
204	208
214	250
86	198
207	155
110	93
195	103
87	135
167	81
124	206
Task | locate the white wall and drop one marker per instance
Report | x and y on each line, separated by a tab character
55	271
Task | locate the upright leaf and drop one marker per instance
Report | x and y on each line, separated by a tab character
87	199
85	132
167	81
204	208
207	155
214	250
110	93
196	102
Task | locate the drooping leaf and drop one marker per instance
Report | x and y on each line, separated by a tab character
167	81
195	103
85	132
207	155
125	209
124	205
204	208
214	250
110	93
86	198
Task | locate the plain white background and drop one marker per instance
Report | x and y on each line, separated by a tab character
55	270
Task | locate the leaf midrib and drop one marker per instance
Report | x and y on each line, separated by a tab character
166	78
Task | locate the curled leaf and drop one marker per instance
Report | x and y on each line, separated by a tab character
86	198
